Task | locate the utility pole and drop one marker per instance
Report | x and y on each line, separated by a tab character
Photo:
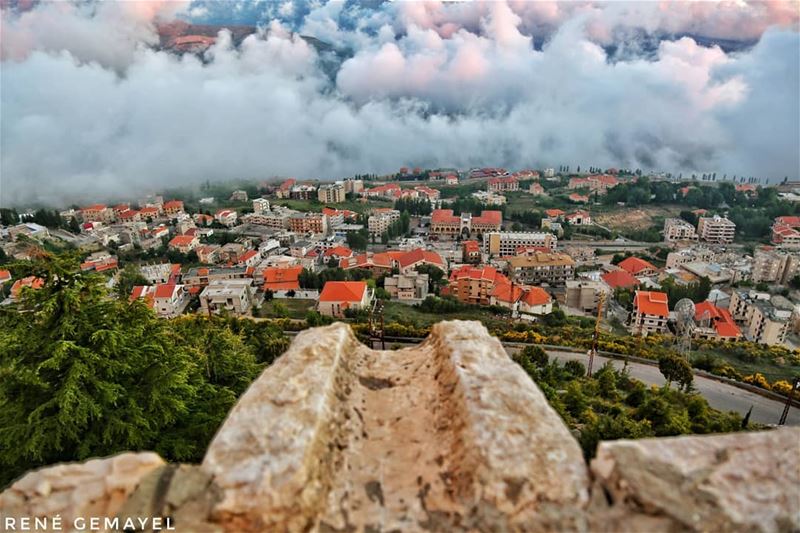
596	336
785	414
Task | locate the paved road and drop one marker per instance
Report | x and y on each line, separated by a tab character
719	395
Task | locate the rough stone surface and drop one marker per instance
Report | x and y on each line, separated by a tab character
449	435
735	482
98	487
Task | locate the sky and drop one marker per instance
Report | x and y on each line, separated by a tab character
90	106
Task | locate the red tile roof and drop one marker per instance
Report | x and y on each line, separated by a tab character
282	279
343	291
634	265
552	213
719	318
5	275
619	279
489	217
338	251
505	292
182	240
165	290
444	216
419	255
471	246
536	296
31	282
651	303
173	204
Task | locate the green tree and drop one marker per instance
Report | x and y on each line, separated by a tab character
128	278
677	369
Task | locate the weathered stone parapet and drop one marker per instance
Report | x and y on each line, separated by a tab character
96	488
734	482
449	435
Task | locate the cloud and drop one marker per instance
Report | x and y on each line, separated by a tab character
88	112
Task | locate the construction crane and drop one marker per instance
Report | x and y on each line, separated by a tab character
600	302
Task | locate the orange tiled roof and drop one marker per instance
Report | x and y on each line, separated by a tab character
5	275
343	291
620	279
536	296
651	303
182	240
634	265
419	255
339	251
282	279
165	290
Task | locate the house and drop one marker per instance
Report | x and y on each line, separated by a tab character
714	322
184	243
409	287
445	224
169	299
28	229
638	267
148	213
525	302
5	276
337	253
173	208
208	253
339	296
650	312
502	184
619	279
226	217
677	229
471	252
536	189
250	258
579	218
97	213
282	278
239	196
387	191
234	296
585	294
30	282
555	214
128	216
786	232
578	198
599	183
413	258
100	262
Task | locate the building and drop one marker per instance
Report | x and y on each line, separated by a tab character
309	223
599	183
30	282
380	220
490	198
506	243
337	253
524	302
97	213
285	188
579	198
579	218
239	196
471	252
677	229
409	287
339	296
159	273
650	312
28	229
712	322
234	296
773	266
202	276
169	299
261	206
474	285
173	208
389	190
332	193
716	229
353	186
638	267
619	279
541	267
184	243
447	225
536	189
410	260
208	254
282	278
584	294
5	276
428	193
688	255
503	184
786	232
376	263
765	319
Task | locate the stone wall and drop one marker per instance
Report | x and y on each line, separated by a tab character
449	435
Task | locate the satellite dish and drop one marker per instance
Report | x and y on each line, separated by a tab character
684	316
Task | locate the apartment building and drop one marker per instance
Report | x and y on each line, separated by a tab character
409	287
716	229
260	206
688	255
505	243
353	186
786	232
650	312
540	267
332	193
599	183
202	276
584	294
308	223
471	252
239	196
184	243
765	319
173	208
474	285
226	217
774	266
444	224
503	184
97	213
380	220
234	296
677	229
